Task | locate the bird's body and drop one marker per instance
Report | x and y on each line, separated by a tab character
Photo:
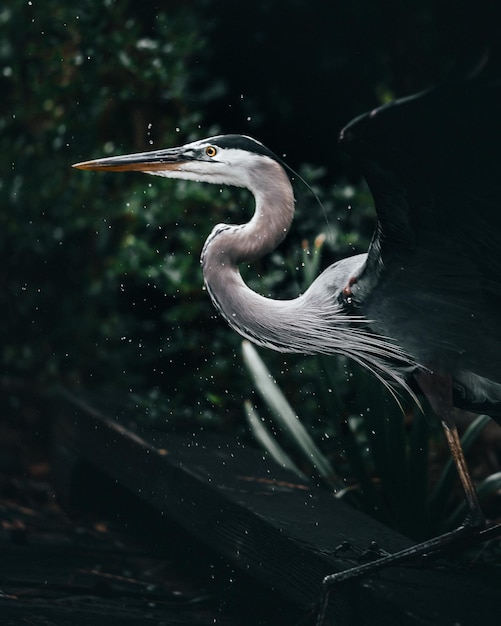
423	304
432	280
428	292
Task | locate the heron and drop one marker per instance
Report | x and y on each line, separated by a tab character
421	308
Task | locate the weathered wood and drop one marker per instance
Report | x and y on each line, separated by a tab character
275	527
60	584
57	570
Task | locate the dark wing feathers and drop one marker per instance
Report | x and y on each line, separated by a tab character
433	274
433	162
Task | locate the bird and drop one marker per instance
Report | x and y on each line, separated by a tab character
421	308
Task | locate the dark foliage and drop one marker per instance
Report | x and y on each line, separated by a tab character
100	278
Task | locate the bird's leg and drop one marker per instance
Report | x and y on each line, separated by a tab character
475	516
438	390
436	544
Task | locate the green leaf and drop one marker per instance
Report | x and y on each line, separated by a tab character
284	415
267	440
488	487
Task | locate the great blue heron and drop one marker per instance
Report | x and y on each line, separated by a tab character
424	303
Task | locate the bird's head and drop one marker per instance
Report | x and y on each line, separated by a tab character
223	160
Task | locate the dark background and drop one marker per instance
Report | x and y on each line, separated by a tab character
101	285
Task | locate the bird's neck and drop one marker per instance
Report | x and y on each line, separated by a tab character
229	245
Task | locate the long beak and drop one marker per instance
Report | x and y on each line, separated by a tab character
169	159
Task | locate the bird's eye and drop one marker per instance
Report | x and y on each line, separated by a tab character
210	151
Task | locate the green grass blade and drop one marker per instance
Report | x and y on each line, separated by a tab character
485	489
311	260
417	475
267	440
284	415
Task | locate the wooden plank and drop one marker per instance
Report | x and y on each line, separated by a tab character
86	594
62	571
273	526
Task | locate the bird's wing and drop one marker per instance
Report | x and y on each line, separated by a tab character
433	275
433	164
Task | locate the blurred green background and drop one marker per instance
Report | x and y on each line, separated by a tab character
101	284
